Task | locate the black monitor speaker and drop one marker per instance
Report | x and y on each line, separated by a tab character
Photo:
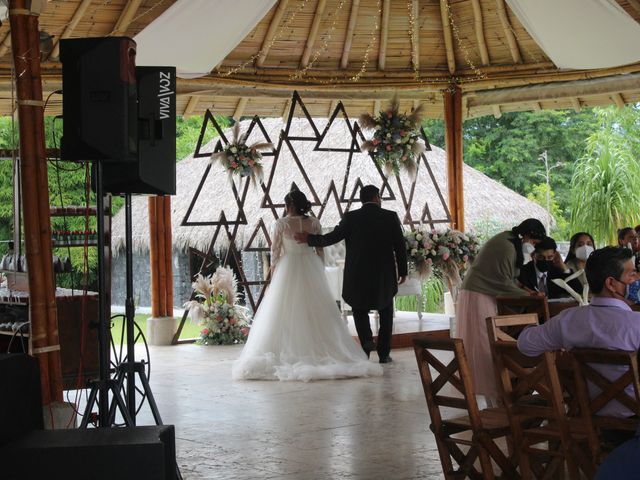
155	171
99	99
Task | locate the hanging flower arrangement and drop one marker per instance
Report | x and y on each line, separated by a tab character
215	310
396	142
242	159
451	252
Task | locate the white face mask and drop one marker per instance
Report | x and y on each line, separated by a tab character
583	252
527	249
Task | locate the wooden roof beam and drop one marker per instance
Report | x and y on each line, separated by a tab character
191	106
6	43
448	37
377	106
77	16
635	4
242	104
415	41
313	33
332	107
271	32
384	34
126	17
479	28
496	111
536	106
618	100
508	31
575	101
353	18
285	110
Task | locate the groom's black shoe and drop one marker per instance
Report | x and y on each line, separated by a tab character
386	359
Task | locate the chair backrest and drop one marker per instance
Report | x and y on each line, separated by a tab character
508	305
620	384
508	327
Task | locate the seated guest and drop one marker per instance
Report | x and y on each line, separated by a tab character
581	246
623	462
627	237
608	322
546	265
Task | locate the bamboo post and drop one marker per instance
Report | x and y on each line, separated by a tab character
153	257
162	266
42	304
453	136
168	248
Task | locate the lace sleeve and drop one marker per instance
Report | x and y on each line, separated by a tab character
276	243
316	229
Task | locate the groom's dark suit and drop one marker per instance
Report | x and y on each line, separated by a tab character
375	257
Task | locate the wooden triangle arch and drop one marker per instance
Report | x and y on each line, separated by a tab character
345	118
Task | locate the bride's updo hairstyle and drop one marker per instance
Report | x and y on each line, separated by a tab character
299	202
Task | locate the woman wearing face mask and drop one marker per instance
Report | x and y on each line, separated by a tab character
581	246
494	272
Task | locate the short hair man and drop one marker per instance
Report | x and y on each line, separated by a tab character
547	265
608	322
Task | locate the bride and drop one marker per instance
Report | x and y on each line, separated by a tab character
297	333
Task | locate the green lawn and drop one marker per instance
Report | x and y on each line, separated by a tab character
188	331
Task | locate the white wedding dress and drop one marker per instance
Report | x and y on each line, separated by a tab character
297	333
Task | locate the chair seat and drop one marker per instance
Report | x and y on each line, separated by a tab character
492	419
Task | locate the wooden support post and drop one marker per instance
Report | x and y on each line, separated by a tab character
37	226
168	256
162	264
153	257
453	136
160	256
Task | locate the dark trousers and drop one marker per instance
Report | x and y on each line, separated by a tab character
363	327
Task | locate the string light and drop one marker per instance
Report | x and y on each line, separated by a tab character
480	75
324	45
285	26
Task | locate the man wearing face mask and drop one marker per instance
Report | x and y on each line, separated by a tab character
547	265
607	322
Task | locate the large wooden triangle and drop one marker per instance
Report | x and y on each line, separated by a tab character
208	123
339	116
298	109
332	193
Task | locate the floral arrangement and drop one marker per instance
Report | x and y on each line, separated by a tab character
451	252
223	322
242	159
396	140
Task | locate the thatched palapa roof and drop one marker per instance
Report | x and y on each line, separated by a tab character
357	51
485	200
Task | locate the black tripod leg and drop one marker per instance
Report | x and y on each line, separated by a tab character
87	410
119	380
150	398
128	421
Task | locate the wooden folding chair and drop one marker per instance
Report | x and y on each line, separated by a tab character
467	438
508	305
544	438
585	365
508	327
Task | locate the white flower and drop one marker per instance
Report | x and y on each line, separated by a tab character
378	127
419	237
413	252
234	149
433	252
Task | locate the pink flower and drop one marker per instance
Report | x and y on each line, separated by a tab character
389	114
389	147
429	261
375	141
232	321
234	165
218	318
242	157
252	163
402	132
445	256
244	331
404	158
205	331
465	258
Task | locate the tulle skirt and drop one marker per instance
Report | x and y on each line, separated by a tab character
472	309
298	333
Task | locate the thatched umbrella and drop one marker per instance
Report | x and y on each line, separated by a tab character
487	201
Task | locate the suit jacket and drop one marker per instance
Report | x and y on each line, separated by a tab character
375	255
529	279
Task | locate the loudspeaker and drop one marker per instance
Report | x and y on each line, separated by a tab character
20	401
99	99
155	171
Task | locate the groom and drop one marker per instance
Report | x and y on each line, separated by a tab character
376	262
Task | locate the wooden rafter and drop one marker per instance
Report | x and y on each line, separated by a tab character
313	33
536	106
332	106
285	110
575	101
479	28
376	107
618	100
6	43
384	34
415	41
271	32
635	4
77	16
353	18
508	31
448	36
496	111
126	17
191	105
242	104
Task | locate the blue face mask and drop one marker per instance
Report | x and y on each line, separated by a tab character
632	292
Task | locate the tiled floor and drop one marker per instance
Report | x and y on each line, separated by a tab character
370	428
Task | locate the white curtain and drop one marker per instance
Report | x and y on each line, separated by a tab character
196	35
581	34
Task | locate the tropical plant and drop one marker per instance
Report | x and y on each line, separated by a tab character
605	191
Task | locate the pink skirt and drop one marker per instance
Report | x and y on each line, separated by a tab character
472	309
